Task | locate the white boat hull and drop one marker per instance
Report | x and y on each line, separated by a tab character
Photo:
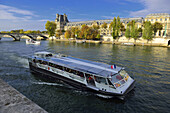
29	41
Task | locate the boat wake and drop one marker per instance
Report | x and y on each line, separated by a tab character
21	60
47	83
104	96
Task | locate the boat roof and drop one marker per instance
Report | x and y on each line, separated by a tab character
42	52
86	66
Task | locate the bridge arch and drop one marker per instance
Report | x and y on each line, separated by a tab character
12	36
29	36
44	37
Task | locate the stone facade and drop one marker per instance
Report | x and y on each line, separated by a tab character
61	21
164	18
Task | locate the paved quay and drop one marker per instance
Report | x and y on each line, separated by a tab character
11	101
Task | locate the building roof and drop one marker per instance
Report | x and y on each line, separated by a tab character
158	15
124	20
86	66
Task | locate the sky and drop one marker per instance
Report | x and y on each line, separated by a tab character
33	14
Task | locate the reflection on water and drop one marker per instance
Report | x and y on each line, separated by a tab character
149	66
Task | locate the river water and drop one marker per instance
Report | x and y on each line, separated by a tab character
149	66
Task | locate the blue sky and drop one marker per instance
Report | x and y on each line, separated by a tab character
33	14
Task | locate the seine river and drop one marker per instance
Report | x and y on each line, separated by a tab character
149	66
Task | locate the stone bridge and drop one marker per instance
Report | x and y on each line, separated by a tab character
17	36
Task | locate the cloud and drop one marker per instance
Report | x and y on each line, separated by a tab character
7	25
151	6
9	13
14	18
44	20
108	17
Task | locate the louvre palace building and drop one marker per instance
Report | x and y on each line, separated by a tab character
164	18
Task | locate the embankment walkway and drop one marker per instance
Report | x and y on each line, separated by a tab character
11	101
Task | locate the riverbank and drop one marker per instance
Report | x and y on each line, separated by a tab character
122	41
11	101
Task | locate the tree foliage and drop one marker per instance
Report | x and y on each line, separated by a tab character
122	27
67	34
104	25
127	32
110	25
114	28
157	26
116	25
96	27
147	31
74	32
88	33
51	27
134	31
59	33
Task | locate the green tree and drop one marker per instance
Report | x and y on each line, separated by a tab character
118	25
51	27
157	26
127	32
147	31
114	28
134	31
140	30
98	36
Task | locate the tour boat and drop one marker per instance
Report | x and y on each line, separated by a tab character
30	41
101	78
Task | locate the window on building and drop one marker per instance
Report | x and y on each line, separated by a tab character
147	19
156	19
165	19
161	19
151	19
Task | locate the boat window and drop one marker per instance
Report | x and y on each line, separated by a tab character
51	64
48	55
45	63
81	74
101	80
40	61
73	71
87	75
67	69
59	67
34	60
